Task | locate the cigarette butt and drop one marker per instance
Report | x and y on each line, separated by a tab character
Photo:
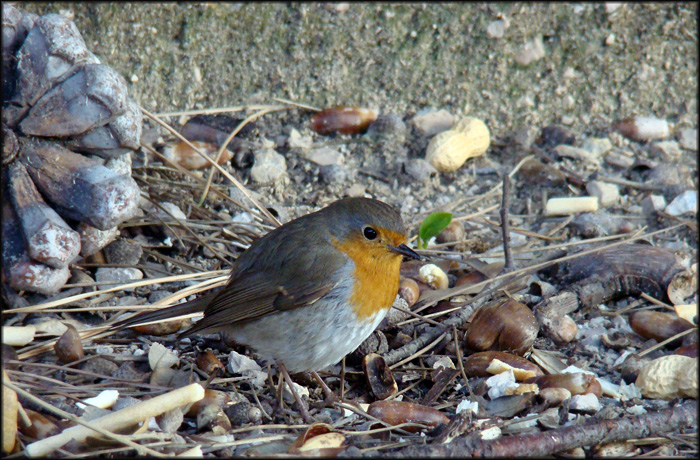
575	205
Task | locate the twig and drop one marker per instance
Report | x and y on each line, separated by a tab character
505	225
550	442
230	137
233	180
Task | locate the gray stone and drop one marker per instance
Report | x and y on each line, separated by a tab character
653	204
669	150
355	190
608	194
297	141
419	169
268	167
596	146
324	156
430	122
530	52
333	174
587	403
123	252
576	153
685	203
117	275
497	28
688	138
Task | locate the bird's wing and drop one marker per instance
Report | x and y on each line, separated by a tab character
254	293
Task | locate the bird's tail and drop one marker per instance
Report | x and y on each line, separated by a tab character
187	308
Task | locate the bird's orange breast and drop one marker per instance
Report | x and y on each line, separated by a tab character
376	276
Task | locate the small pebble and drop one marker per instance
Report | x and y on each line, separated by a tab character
123	252
123	275
688	139
388	127
652	204
530	52
596	146
608	194
419	169
667	150
355	190
576	153
324	156
643	128
297	141
685	203
497	28
587	403
268	166
430	122
333	174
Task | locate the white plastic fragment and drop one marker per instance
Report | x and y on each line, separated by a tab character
17	336
104	400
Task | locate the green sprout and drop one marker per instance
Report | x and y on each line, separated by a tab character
432	226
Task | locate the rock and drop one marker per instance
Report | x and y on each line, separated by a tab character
430	122
653	204
576	153
389	128
686	202
333	174
324	156
596	146
587	403
497	28
118	276
530	52
608	194
688	139
268	166
355	190
419	169
123	252
668	150
297	141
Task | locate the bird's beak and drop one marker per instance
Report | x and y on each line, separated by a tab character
404	251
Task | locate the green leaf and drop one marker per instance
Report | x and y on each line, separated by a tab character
432	226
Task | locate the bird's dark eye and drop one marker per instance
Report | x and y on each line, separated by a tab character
370	233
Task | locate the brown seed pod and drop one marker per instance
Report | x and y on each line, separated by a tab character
159	329
41	426
379	377
397	412
409	290
577	383
213	418
658	326
554	396
507	325
207	362
69	348
211	397
453	233
343	119
476	365
690	350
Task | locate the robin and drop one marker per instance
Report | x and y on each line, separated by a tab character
309	292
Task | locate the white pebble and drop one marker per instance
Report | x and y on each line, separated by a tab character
686	202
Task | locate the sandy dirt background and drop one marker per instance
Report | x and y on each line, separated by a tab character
640	59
